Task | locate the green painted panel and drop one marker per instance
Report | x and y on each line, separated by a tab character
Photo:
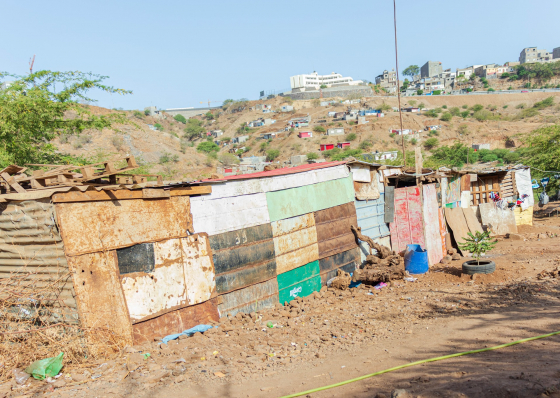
309	198
299	282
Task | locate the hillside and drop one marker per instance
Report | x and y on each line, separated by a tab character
166	153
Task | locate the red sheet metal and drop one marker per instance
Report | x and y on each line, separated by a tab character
278	172
408	227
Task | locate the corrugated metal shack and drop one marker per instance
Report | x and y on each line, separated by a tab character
113	257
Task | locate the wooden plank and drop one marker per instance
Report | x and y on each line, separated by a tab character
99	294
124	194
431	224
499	221
150	193
472	221
466	182
98	226
456	221
12	182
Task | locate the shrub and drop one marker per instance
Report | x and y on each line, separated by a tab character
478	244
455	111
193	130
137	114
477	108
437	92
465	114
527	113
431	143
492	107
228	158
117	142
510	88
482	115
412	102
323	86
505	106
544	103
421	106
81	140
392	135
209	115
464	107
351	137
414	141
419	92
319	129
365	145
444	106
491	89
351	122
147	112
272	154
431	113
520	106
167	158
180	119
447	116
384	107
207	147
312	156
158	126
463	129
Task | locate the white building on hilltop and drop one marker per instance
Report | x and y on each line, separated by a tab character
314	81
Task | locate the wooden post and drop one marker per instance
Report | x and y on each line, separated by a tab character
419	165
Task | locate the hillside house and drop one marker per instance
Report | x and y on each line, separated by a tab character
239	140
326	147
287	108
335	131
305	134
343	145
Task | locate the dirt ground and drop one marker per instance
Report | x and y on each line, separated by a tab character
335	335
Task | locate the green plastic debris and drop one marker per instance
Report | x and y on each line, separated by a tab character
147	355
43	368
270	325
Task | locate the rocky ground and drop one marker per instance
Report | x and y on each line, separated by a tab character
336	335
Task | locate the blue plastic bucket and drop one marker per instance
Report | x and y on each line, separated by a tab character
416	260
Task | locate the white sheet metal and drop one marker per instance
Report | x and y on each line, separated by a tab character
524	185
360	173
443	186
183	275
465	199
276	183
229	214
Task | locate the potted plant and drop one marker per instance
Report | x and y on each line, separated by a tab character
477	245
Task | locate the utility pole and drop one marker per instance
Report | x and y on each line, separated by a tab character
31	62
398	88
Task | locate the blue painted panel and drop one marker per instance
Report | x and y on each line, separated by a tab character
371	217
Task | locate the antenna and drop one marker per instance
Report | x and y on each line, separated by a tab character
31	62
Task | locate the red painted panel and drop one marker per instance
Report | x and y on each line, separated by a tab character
408	227
442	231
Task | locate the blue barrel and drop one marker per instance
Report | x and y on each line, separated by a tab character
416	260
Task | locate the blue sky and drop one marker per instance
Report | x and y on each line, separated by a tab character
179	53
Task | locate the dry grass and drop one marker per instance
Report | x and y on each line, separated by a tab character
36	323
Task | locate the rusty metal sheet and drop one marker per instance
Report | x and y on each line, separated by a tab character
408	227
254	298
88	227
347	261
183	276
295	242
99	295
175	321
368	190
31	249
333	229
431	224
243	257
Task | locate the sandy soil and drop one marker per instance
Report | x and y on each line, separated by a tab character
335	335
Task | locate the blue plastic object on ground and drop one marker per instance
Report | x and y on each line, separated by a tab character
188	332
416	260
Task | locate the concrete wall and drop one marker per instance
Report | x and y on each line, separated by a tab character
190	112
364	91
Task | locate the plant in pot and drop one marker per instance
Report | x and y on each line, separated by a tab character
478	244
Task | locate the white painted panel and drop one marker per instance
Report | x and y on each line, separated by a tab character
183	275
465	199
276	183
524	185
292	224
229	214
360	173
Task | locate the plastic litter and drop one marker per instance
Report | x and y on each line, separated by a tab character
20	376
270	325
380	285
188	332
147	355
48	367
354	284
411	279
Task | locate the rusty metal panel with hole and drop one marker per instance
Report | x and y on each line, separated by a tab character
254	298
88	227
333	229
100	298
183	275
295	242
175	321
243	257
347	261
32	250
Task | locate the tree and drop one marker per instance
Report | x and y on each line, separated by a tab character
419	92
312	156
421	106
431	143
227	103
323	86
477	244
207	147
455	111
147	112
319	129
412	70
272	154
32	114
158	126
209	115
180	119
383	107
351	136
543	151
446	117
453	156
477	108
193	130
365	145
412	102
228	159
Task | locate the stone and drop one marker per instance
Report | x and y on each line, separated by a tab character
400	393
542	236
456	256
515	237
157	376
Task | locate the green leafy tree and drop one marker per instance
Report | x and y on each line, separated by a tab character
477	108
137	114
431	143
419	92
452	156
465	114
455	111
365	145
421	106
180	119
193	130
147	112
446	116
158	126
272	154
384	107
209	115
228	159
477	244
323	86
33	109
542	151
312	156
412	70
207	147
